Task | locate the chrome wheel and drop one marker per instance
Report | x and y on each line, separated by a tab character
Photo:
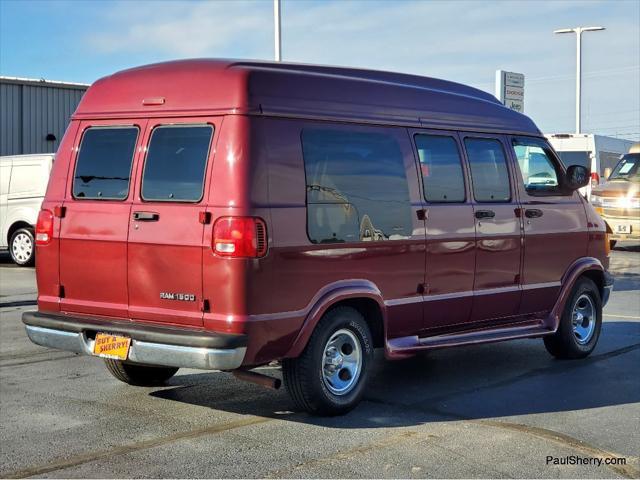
342	362
583	319
22	247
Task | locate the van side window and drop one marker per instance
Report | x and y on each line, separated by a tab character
442	175
538	170
103	169
356	187
176	162
489	173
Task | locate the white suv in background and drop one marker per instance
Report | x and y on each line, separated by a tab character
23	182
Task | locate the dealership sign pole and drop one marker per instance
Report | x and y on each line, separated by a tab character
510	90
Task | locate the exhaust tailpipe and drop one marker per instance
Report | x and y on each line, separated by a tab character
258	378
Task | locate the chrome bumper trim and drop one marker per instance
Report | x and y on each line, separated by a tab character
144	352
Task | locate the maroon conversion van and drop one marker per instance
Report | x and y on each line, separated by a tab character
223	215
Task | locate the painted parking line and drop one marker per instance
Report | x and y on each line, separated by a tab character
615	315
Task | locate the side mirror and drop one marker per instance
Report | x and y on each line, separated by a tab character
576	177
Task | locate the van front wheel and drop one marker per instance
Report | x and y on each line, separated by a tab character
330	375
140	375
580	323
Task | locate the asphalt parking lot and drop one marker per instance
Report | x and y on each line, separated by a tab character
497	410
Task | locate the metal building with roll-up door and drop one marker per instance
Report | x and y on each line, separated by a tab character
34	114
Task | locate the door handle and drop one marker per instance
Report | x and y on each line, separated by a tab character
146	216
533	213
485	214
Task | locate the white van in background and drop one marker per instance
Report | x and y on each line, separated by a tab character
596	152
23	182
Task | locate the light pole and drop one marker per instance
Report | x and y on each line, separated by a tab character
578	31
276	28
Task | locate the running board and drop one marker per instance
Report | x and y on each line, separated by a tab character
400	347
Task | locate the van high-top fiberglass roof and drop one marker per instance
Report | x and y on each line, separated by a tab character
208	86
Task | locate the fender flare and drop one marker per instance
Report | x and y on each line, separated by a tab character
327	298
575	270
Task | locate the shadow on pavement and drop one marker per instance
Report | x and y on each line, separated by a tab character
625	282
476	382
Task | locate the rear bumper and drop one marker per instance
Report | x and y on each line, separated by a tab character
150	344
608	287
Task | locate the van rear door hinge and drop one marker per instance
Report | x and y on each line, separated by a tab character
422	214
60	291
204	217
204	305
516	280
59	211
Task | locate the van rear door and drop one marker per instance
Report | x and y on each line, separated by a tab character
166	227
94	227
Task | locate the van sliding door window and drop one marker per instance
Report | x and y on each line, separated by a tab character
442	175
356	187
176	163
103	169
489	173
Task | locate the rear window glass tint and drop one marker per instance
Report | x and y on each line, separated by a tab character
104	162
357	187
441	168
176	162
489	173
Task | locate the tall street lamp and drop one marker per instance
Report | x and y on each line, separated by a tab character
578	31
276	30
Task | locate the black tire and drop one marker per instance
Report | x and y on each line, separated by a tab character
303	376
22	247
564	343
140	375
612	244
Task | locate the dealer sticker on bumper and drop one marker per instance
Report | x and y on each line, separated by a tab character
111	346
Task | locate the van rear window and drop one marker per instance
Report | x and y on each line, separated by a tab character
176	162
103	169
357	187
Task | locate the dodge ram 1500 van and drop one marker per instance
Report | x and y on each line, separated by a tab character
227	214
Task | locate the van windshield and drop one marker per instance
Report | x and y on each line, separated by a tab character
627	168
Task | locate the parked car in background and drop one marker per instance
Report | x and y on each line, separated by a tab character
618	200
596	152
223	215
23	182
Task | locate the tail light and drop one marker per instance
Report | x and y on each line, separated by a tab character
44	227
240	237
595	179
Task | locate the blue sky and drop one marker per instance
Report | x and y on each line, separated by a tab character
464	41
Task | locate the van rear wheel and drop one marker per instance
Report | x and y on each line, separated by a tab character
580	323
140	375
22	247
330	375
